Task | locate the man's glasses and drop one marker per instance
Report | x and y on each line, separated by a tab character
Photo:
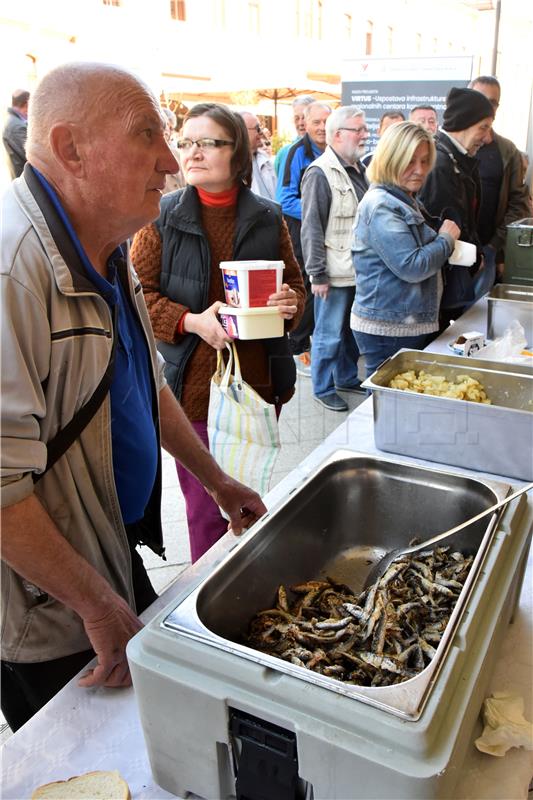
256	128
203	144
355	130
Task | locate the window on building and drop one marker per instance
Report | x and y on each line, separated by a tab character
177	10
253	16
348	26
368	37
435	45
111	2
390	36
418	42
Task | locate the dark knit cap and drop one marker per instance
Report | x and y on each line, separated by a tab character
465	107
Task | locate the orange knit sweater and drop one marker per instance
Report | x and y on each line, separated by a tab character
219	227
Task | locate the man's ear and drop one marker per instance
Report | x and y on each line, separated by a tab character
65	146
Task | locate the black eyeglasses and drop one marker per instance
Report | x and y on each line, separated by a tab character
355	130
257	128
203	144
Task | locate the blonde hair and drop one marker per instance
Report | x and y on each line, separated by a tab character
395	150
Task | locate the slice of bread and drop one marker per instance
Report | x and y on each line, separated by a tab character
98	785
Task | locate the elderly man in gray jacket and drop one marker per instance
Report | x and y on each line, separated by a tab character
73	582
332	187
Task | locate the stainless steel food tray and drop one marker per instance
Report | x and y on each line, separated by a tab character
347	514
495	438
507	302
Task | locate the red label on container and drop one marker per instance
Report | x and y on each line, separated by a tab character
261	284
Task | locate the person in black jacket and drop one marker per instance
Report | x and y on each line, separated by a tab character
453	187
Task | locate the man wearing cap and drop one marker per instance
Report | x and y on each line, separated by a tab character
453	188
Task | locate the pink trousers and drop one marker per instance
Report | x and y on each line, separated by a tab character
206	523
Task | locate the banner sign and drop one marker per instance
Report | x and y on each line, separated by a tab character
377	85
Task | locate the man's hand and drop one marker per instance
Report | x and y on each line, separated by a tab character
320	290
241	504
34	547
207	326
109	635
285	300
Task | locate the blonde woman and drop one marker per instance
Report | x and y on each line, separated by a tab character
398	254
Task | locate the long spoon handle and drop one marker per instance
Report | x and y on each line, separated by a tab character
468	522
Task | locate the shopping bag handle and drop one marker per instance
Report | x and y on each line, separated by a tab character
224	371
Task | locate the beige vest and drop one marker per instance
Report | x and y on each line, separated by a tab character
338	239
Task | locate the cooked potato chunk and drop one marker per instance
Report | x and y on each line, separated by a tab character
463	387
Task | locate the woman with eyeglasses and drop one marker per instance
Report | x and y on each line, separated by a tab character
215	218
398	249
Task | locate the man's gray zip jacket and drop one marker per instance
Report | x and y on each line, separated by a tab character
56	344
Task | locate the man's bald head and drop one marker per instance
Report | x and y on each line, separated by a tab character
78	93
97	135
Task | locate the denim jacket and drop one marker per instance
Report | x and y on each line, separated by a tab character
397	257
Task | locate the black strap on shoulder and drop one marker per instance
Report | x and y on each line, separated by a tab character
63	439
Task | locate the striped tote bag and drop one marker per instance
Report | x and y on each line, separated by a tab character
242	427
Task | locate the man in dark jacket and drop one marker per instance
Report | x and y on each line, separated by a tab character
504	195
15	130
453	187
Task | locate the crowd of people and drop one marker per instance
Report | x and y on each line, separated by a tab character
110	294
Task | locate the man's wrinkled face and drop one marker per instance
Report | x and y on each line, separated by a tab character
350	139
476	136
387	121
127	161
299	119
426	118
255	132
316	125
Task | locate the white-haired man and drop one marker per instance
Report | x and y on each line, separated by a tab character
72	580
332	187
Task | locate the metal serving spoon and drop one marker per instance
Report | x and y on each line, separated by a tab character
379	569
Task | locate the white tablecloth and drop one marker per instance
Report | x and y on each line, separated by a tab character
82	730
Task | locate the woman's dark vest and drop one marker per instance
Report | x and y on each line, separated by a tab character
186	269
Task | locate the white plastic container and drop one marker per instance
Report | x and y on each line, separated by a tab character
249	284
464	254
251	323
